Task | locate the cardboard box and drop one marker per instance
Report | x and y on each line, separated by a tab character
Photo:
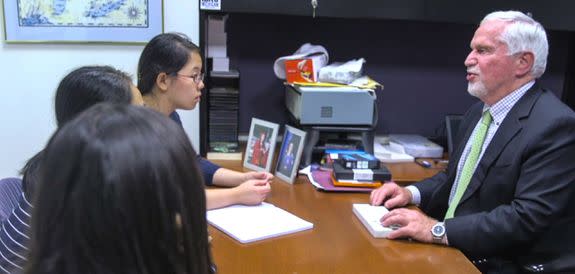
301	70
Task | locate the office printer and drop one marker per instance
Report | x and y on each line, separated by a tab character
331	105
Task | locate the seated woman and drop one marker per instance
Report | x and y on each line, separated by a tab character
170	78
79	90
119	192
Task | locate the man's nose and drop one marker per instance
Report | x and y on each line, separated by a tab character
470	60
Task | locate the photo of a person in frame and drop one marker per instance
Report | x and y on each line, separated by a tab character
260	146
287	156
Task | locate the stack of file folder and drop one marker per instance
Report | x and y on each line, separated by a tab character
223	114
359	169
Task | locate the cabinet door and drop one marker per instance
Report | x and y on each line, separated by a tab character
289	7
378	9
391	9
553	14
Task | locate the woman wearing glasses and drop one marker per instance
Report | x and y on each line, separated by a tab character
170	78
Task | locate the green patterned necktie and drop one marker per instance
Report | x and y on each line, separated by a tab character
470	163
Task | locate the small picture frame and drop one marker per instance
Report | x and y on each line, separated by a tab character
261	145
290	154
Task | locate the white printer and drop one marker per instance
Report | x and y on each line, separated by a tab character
331	105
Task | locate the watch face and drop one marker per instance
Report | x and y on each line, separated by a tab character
438	230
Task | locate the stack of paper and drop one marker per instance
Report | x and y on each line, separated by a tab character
369	216
252	223
390	153
343	73
217	43
417	145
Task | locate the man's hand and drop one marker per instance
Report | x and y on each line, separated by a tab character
252	192
392	194
412	224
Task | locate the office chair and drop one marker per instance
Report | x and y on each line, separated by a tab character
10	191
452	126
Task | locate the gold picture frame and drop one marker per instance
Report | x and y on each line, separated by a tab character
130	22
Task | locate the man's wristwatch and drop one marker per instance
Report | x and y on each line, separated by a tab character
438	232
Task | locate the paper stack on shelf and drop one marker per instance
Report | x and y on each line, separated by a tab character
390	152
217	43
343	73
220	64
223	105
364	82
223	94
223	116
417	145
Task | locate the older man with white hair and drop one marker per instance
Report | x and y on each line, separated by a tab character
507	198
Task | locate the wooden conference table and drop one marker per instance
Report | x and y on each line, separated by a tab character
338	242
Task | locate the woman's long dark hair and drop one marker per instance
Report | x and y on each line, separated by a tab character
80	89
87	86
113	183
168	53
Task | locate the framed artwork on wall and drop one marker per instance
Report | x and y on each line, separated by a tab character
87	21
261	145
290	154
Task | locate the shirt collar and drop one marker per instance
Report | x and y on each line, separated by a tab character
500	109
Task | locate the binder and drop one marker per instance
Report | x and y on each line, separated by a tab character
360	160
353	183
321	180
381	174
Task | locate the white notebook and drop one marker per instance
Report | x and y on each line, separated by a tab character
369	216
252	223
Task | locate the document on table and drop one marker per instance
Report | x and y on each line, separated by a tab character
369	216
253	223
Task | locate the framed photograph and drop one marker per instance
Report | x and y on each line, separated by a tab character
290	154
261	145
87	21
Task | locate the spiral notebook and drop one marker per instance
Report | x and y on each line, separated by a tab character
253	223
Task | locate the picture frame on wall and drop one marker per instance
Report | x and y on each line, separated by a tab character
93	21
290	154
261	145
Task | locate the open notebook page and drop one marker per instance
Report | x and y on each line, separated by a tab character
252	223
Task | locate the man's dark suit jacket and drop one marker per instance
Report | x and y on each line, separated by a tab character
520	202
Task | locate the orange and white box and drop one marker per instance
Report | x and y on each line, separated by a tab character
301	70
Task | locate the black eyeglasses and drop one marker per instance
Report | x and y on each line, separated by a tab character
196	77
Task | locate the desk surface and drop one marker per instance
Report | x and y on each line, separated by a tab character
338	243
405	173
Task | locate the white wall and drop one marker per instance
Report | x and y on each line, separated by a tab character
29	75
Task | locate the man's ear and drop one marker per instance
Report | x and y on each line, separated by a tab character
525	63
162	81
